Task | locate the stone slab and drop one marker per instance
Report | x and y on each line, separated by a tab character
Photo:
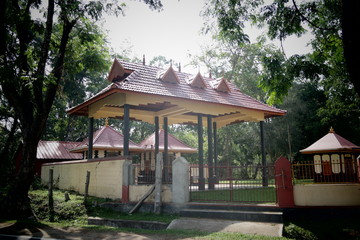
212	225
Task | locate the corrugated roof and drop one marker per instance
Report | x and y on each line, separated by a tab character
331	142
57	150
145	79
174	144
106	138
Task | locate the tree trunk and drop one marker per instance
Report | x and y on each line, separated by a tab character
16	204
350	31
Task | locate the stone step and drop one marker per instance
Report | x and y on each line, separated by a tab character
251	216
235	207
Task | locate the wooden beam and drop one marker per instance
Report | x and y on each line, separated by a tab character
117	99
176	110
228	117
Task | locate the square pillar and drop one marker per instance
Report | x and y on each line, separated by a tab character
91	134
210	152
201	153
126	129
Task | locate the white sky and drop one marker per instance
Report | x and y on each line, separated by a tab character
173	32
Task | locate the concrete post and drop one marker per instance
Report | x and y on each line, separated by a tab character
158	181
180	181
126	181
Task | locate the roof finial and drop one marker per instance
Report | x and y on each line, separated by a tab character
143	59
179	67
210	74
106	122
331	130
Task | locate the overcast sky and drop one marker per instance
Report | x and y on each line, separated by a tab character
173	32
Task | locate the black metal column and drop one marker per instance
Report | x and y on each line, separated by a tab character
156	136
215	150
201	153
210	152
263	155
91	133
126	129
166	150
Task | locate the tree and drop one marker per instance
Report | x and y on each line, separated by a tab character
333	24
31	74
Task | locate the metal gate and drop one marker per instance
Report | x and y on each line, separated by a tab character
246	184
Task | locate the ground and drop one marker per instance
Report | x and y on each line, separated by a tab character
78	233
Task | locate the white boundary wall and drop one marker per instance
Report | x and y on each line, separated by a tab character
105	176
327	194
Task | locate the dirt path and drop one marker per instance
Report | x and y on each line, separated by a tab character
78	233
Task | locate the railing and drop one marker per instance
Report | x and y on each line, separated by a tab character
253	183
145	174
325	172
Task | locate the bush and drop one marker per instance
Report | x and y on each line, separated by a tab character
72	210
298	233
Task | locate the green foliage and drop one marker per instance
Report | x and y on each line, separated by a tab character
70	211
110	214
298	233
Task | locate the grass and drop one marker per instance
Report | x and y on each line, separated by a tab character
74	213
108	213
163	234
261	194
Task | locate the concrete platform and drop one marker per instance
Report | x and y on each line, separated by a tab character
214	225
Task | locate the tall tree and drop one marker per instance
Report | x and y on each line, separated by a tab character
30	76
333	24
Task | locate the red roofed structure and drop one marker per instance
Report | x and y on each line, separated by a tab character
331	142
334	158
106	142
174	144
55	151
164	97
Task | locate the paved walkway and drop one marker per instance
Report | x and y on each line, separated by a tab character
212	225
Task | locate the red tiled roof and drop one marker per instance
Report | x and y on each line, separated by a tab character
106	138
174	144
331	142
56	150
144	79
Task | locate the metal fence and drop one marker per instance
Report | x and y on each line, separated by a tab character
248	184
146	174
325	172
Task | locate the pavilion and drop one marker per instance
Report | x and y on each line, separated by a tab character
162	97
107	142
334	158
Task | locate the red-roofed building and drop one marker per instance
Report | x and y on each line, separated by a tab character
164	97
55	151
107	142
334	158
147	158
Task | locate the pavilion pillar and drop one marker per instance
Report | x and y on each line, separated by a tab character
263	155
166	150
91	134
210	152
215	150
156	136
126	129
201	153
